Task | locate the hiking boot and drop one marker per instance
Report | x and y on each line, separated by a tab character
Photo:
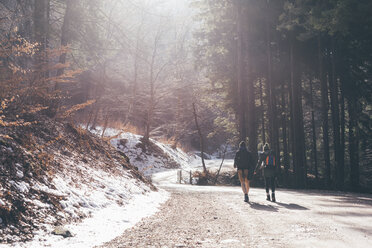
246	198
273	197
268	197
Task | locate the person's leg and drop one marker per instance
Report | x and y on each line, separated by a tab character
267	182
272	179
241	179
246	183
246	180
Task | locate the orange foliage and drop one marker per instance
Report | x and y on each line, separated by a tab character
31	87
77	107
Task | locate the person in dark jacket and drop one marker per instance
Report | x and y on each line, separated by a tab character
243	161
267	162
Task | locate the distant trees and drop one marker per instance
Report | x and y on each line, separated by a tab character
282	55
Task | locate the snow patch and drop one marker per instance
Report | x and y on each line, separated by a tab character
19	174
105	224
22	186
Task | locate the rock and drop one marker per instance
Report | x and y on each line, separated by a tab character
62	231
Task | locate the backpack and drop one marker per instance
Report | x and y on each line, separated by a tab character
270	160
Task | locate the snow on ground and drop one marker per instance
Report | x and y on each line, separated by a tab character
146	162
154	166
111	200
150	163
104	225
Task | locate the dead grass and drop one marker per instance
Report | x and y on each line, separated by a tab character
209	178
126	128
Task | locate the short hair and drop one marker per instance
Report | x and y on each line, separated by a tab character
266	147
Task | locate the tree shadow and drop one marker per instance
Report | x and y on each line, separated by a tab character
263	207
349	214
355	200
292	206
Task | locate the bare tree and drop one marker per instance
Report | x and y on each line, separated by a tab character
201	138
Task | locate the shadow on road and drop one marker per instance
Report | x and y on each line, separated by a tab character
357	201
291	206
263	207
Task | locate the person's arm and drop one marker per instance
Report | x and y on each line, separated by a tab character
236	155
277	165
259	161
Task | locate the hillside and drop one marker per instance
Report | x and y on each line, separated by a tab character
148	159
53	174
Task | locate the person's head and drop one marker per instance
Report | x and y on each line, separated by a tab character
266	147
242	144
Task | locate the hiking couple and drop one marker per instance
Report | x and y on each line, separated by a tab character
245	163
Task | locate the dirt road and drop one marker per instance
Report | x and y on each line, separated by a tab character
217	217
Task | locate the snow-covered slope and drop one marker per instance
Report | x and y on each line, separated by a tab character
159	157
161	162
55	174
110	202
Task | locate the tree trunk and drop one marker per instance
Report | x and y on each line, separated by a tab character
200	136
252	128
134	85
298	132
291	141
273	122
65	34
242	87
40	29
313	127
263	135
47	34
90	116
251	99
95	119
333	87
107	117
223	159
284	134
342	123
324	97
353	143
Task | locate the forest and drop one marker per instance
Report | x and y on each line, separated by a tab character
295	74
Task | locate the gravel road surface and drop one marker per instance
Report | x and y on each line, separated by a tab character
197	216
